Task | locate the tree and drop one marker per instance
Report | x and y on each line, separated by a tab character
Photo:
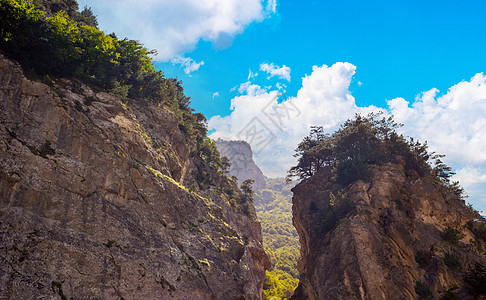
247	188
87	17
364	141
476	279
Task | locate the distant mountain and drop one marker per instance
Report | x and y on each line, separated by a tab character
242	164
273	203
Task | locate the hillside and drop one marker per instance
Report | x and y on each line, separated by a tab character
273	204
376	220
280	240
110	187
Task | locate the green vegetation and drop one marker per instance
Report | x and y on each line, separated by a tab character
247	188
451	261
452	235
423	258
50	38
57	288
449	295
475	278
478	228
280	239
339	207
422	290
365	141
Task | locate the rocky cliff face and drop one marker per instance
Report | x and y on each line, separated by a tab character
242	164
94	202
399	243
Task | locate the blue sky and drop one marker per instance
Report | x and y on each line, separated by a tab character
419	60
400	48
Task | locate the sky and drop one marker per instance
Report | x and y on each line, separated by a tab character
266	70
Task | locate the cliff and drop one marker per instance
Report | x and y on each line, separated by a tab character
242	164
99	200
402	237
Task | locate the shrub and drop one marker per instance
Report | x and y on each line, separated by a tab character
422	290
475	278
451	261
452	235
423	258
449	295
339	207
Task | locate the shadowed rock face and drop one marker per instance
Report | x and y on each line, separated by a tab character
242	164
374	252
93	203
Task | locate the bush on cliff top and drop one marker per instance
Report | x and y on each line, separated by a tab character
364	141
50	37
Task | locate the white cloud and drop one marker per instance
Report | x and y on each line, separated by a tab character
323	99
216	94
252	75
473	180
174	27
251	89
282	72
470	175
454	124
281	86
272	6
187	63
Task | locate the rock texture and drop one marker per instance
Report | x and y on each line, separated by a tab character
94	204
242	164
375	253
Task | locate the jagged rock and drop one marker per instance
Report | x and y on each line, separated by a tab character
242	164
94	204
374	252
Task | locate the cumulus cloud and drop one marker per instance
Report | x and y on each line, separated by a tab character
187	63
252	75
173	27
282	72
473	180
281	87
272	6
274	126
454	123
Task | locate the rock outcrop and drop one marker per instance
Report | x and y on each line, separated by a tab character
242	164
98	201
407	237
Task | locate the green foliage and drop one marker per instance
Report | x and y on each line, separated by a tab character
340	206
280	239
475	278
365	141
423	258
422	290
279	285
452	235
50	37
449	295
57	288
86	17
478	228
247	188
46	149
64	42
350	171
451	261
